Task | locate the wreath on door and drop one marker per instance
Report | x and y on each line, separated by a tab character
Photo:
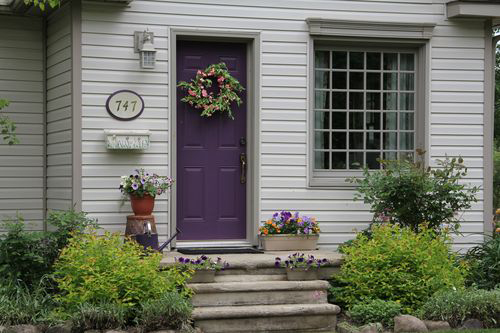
200	96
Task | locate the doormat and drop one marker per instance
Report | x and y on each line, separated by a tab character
217	250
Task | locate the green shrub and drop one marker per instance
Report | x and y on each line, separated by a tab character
20	304
409	194
484	261
396	264
169	311
105	269
27	255
457	306
99	316
376	311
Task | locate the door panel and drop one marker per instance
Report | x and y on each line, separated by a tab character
211	200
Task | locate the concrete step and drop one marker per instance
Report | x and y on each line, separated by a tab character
259	293
249	277
262	263
267	318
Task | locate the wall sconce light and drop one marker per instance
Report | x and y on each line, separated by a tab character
144	44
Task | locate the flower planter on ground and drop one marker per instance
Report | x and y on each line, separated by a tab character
289	242
203	276
287	231
301	274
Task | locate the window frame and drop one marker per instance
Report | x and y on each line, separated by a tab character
421	49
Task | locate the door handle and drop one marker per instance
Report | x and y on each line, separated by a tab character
243	168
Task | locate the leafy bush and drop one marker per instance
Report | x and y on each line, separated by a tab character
103	269
170	310
410	194
484	260
376	311
27	255
20	304
99	317
7	126
396	264
457	306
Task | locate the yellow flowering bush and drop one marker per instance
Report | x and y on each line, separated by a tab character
397	264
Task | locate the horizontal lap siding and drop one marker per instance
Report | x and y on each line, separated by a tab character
59	110
109	64
456	122
21	82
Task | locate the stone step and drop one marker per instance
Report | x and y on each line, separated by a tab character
259	293
249	277
267	318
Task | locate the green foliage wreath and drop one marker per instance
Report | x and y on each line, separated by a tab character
209	102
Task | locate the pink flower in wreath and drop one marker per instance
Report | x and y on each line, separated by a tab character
204	93
192	93
220	79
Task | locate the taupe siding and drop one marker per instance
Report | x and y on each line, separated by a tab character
59	110
109	64
21	82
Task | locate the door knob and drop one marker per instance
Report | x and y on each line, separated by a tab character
243	168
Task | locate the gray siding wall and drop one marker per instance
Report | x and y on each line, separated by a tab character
21	82
109	64
59	110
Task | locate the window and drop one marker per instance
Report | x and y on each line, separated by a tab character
364	108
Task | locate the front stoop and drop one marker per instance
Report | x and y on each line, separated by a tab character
254	296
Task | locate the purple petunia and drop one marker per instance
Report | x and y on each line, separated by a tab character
135	186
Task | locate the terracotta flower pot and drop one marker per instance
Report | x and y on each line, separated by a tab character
142	205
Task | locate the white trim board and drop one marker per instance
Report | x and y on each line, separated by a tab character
460	9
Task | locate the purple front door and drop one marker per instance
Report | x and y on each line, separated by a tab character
211	194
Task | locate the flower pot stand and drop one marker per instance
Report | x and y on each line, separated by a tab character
299	274
135	224
135	230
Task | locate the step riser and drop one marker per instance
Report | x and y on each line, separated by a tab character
324	273
250	278
269	324
260	298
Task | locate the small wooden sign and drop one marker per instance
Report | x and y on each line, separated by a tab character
127	139
125	105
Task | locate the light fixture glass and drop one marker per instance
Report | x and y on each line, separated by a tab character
148	51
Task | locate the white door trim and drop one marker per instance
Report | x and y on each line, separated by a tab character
252	39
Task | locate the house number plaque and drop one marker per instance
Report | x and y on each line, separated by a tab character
125	105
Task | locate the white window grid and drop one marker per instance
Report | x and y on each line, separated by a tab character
329	131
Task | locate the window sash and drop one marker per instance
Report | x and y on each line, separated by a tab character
373	139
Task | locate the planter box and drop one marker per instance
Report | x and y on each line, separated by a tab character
298	274
203	276
289	242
